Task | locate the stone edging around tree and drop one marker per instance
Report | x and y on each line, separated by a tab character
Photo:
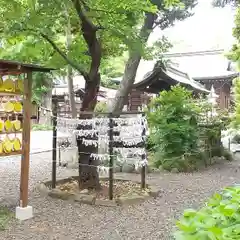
44	189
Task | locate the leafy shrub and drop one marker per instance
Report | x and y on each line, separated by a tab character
149	144
219	219
174	133
185	133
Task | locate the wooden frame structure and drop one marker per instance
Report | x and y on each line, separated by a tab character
111	145
14	68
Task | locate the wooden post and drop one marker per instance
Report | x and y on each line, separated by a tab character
26	140
54	144
110	150
143	177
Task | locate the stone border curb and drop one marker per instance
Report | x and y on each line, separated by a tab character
44	189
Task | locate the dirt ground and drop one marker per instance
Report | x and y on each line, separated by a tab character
151	220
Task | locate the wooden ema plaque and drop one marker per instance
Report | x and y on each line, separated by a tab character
15	115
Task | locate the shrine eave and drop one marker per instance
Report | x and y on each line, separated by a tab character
224	77
162	79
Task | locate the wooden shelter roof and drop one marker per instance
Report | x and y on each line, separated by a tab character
163	78
7	65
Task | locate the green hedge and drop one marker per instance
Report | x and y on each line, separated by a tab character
218	220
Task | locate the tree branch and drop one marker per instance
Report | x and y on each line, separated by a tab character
89	31
85	5
82	15
62	54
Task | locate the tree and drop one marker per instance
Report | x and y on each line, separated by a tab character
98	20
69	67
111	69
99	29
163	18
28	23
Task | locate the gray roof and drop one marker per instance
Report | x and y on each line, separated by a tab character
201	67
223	75
184	78
169	76
206	67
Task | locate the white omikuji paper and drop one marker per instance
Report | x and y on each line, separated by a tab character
130	130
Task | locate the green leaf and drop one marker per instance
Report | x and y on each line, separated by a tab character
213	222
186	226
189	213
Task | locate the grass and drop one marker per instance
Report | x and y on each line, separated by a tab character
5	217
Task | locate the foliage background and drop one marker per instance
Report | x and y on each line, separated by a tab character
185	133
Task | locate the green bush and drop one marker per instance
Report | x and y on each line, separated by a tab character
174	133
219	219
149	144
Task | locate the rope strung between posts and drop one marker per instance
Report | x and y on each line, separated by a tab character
94	132
115	132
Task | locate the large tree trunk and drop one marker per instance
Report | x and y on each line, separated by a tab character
132	65
88	174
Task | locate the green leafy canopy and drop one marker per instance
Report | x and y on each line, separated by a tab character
28	26
24	21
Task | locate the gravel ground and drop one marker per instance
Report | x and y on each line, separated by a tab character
153	219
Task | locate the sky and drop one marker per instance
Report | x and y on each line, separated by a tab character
209	28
